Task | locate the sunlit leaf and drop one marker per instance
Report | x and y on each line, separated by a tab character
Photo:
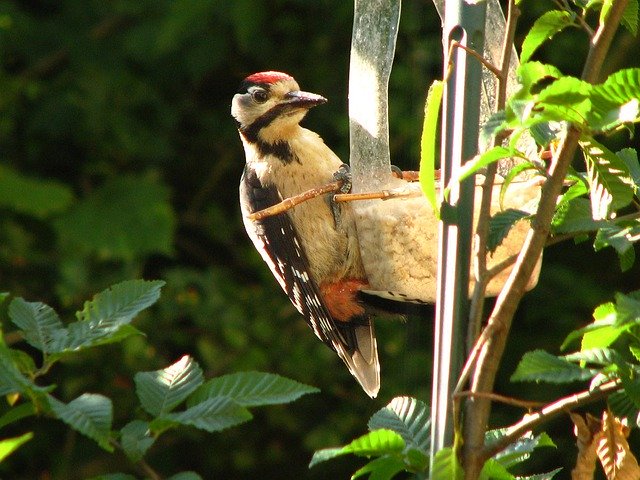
428	142
408	417
446	466
500	225
538	365
10	445
545	27
493	470
161	391
378	442
381	468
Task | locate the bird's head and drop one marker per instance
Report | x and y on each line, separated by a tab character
270	105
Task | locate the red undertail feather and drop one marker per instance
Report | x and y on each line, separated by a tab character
341	298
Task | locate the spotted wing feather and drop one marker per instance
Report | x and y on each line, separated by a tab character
277	241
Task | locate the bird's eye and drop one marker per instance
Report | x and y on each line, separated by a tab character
259	96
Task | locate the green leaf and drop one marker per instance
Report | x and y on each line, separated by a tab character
39	323
381	468
408	417
575	217
609	180
542	476
493	470
446	466
511	176
539	365
11	379
212	415
161	391
487	158
621	237
630	158
17	413
126	218
32	196
530	73
627	309
500	225
545	27
90	414
136	439
521	449
251	389
566	99
496	123
599	334
621	405
106	318
10	445
114	476
379	442
630	17
602	357
428	142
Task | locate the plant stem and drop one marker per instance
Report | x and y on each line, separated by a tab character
492	341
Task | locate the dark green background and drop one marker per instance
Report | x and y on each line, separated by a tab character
119	113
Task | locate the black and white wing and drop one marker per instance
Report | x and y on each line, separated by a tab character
277	241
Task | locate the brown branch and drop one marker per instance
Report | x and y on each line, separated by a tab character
552	410
291	202
516	402
492	341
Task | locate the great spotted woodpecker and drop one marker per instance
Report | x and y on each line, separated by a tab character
312	249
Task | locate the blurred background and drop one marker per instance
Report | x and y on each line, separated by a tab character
119	160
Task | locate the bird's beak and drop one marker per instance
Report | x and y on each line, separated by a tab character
307	100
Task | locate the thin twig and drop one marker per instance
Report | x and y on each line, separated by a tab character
291	202
516	402
552	410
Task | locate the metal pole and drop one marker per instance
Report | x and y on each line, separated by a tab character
464	22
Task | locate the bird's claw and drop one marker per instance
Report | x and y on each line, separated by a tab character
343	175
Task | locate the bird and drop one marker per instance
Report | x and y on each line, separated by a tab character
312	250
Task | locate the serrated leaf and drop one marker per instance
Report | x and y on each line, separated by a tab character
446	466
382	468
599	334
379	442
408	417
630	158
90	414
544	28
161	391
539	365
608	178
39	323
542	476
602	357
121	302
500	224
32	196
616	100
10	445
519	450
566	99
136	439
127	217
496	123
630	17
11	379
212	415
511	175
627	309
427	144
493	470
622	406
530	73
114	476
487	158
251	389
575	217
